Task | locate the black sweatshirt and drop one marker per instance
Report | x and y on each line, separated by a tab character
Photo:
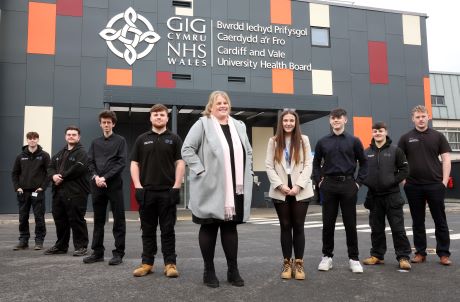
29	171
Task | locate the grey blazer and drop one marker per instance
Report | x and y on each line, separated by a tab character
202	152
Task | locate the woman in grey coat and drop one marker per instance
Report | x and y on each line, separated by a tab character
219	155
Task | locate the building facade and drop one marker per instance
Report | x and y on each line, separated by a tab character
63	61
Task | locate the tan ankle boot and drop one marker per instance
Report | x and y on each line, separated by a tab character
299	273
287	269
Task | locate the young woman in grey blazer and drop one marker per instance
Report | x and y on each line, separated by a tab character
289	167
219	156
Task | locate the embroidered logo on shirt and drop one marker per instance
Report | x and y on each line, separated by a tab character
370	155
148	142
168	141
413	140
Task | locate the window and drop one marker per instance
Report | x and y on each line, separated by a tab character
320	37
438	100
453	137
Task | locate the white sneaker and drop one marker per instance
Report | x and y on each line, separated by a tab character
325	264
355	266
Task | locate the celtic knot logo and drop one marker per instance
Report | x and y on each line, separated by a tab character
136	36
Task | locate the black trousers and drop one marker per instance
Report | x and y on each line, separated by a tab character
69	214
27	200
418	196
158	207
113	194
390	206
344	194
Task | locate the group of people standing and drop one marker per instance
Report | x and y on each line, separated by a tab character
218	152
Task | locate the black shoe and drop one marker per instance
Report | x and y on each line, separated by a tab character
93	258
38	246
80	252
210	278
22	245
234	278
116	259
54	250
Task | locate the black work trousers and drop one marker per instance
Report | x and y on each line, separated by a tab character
344	194
69	214
27	200
418	196
158	207
391	207
112	194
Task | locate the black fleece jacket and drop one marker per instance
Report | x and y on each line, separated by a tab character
75	172
387	167
29	170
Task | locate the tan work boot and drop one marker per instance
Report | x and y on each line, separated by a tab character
404	264
372	260
143	270
171	270
299	273
287	269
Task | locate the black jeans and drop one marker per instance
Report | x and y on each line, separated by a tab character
419	196
27	200
390	206
101	197
158	207
69	214
344	194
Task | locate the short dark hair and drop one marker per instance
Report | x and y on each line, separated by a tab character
379	125
337	112
32	135
159	107
72	127
108	114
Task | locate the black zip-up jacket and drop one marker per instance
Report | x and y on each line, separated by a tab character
387	167
29	170
75	172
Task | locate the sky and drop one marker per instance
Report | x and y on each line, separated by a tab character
443	24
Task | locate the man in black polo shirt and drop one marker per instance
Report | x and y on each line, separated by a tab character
427	183
107	159
157	170
334	166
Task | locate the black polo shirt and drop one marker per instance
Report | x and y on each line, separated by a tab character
107	156
157	155
422	150
337	155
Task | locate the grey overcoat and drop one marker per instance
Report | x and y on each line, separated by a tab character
203	154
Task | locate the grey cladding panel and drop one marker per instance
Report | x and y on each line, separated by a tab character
261	84
13	36
201	78
93	76
94	20
340	54
186	84
145	5
361	95
302	87
321	58
376	26
380	102
219	82
424	47
67	92
9	204
219	9
260	12
238	9
40	80
12	90
393	23
339	22
96	3
395	55
397	96
165	10
68	41
300	15
357	19
345	98
59	126
359	52
202	8
415	96
413	59
16	5
118	6
89	125
400	126
144	73
11	131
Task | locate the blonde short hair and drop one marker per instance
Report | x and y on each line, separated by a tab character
212	98
419	108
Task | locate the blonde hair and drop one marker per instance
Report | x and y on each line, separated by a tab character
212	98
419	108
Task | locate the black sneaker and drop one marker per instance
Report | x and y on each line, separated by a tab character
80	252
22	245
54	250
116	259
93	258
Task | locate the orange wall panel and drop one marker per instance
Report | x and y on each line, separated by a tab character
363	129
280	11
283	81
427	96
41	34
119	77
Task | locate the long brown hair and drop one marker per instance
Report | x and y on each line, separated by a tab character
297	145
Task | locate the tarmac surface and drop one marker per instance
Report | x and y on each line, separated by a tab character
31	276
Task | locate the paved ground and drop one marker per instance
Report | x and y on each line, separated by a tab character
31	276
